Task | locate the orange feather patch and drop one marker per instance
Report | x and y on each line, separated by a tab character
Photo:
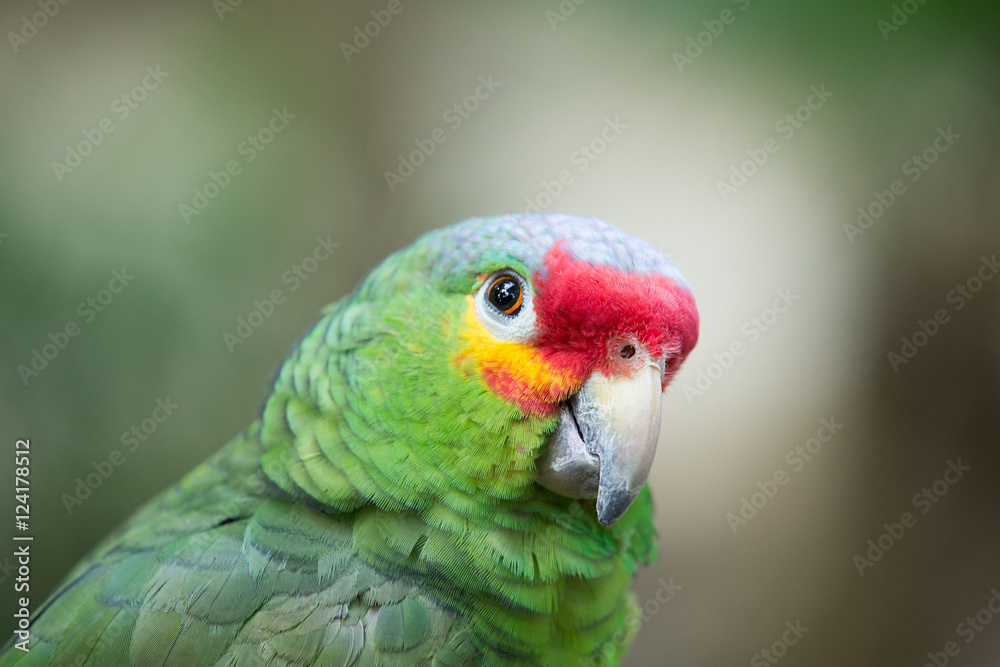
514	370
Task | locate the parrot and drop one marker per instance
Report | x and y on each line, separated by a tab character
449	469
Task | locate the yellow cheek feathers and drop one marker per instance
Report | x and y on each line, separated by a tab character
512	370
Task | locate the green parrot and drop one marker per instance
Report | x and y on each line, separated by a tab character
449	470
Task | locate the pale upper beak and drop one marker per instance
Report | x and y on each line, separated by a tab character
604	445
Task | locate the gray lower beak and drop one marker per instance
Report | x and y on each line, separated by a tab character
604	445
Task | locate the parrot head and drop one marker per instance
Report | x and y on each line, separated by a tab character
509	351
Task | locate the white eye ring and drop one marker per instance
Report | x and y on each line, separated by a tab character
520	324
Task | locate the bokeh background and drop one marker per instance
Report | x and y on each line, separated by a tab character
690	87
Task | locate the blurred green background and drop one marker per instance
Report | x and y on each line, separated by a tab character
696	90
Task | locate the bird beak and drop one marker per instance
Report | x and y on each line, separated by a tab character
604	445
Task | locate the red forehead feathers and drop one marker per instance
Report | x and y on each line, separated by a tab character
580	307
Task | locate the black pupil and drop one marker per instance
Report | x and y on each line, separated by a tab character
628	351
505	293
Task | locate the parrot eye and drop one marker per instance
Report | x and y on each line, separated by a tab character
504	293
504	304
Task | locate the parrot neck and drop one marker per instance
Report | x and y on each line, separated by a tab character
363	426
439	486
